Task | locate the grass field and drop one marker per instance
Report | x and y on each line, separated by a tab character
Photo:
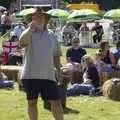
13	105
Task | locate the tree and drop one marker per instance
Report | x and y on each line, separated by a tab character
6	3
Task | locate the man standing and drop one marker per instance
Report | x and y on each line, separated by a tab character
75	53
84	35
41	56
98	32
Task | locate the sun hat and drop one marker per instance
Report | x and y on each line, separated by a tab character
38	11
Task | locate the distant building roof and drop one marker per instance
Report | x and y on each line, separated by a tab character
37	1
37	5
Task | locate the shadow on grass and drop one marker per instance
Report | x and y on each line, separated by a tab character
66	110
70	110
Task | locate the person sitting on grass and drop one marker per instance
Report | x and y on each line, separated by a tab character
90	77
105	59
74	55
9	46
105	62
116	52
16	57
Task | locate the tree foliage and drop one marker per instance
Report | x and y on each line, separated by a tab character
6	3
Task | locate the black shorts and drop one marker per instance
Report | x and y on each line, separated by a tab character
48	89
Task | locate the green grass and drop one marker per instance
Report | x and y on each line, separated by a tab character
13	105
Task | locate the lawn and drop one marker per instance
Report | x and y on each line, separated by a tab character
13	105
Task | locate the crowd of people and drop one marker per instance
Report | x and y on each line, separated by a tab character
38	50
105	61
11	54
8	21
82	31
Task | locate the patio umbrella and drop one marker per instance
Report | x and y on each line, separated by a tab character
112	14
2	8
25	12
58	13
84	19
84	14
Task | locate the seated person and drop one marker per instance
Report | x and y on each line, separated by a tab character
105	60
90	78
16	58
9	46
5	82
116	52
74	66
90	75
74	54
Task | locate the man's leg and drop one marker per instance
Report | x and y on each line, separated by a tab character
57	109
32	109
95	39
99	38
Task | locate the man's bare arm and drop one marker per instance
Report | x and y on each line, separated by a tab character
25	38
27	35
57	63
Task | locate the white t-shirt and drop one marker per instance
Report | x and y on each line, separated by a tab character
3	19
13	18
18	30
